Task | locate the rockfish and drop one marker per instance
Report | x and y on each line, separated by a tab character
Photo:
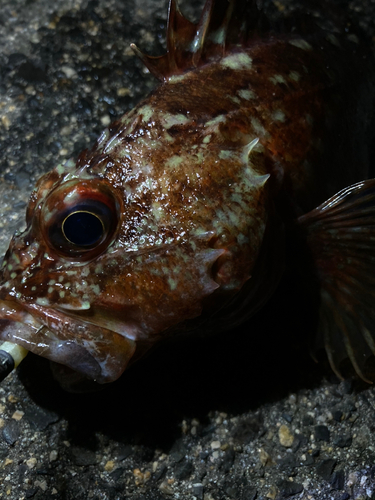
177	219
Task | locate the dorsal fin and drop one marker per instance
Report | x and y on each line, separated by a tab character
223	24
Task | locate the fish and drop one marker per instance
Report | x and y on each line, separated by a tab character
177	220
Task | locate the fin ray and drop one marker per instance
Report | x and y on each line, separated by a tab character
222	25
340	234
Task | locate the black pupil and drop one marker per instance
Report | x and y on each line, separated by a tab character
83	228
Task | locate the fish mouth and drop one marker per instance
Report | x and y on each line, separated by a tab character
96	352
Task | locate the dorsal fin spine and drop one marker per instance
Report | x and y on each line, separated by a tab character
150	62
174	15
227	18
222	24
200	35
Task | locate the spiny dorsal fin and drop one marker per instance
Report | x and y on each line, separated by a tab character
223	24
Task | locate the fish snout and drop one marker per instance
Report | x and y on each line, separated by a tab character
19	255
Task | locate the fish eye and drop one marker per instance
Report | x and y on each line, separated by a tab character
83	228
79	219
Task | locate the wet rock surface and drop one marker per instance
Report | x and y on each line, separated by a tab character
245	415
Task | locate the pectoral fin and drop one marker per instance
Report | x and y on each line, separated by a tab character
340	234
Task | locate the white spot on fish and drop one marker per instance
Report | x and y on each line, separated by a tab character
81	306
237	61
174	161
70	164
242	239
353	38
234	99
60	169
172	283
146	112
16	259
277	79
246	94
176	78
42	301
225	155
295	76
157	211
215	121
278	115
169	120
218	36
85	272
258	127
332	39
300	43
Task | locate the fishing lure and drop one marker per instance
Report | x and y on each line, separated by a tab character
176	219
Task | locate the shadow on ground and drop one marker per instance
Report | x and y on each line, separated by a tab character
236	371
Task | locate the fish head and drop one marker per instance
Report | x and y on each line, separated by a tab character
129	245
44	290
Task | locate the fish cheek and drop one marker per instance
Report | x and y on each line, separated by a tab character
161	289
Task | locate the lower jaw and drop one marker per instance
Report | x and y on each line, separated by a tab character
96	353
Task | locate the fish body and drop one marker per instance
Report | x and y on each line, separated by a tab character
176	219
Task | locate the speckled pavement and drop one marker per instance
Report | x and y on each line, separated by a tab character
243	415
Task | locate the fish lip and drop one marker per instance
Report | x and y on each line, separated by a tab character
97	353
19	326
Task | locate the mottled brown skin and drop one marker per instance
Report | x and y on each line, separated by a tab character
200	179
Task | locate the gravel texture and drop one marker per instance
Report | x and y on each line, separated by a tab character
243	415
